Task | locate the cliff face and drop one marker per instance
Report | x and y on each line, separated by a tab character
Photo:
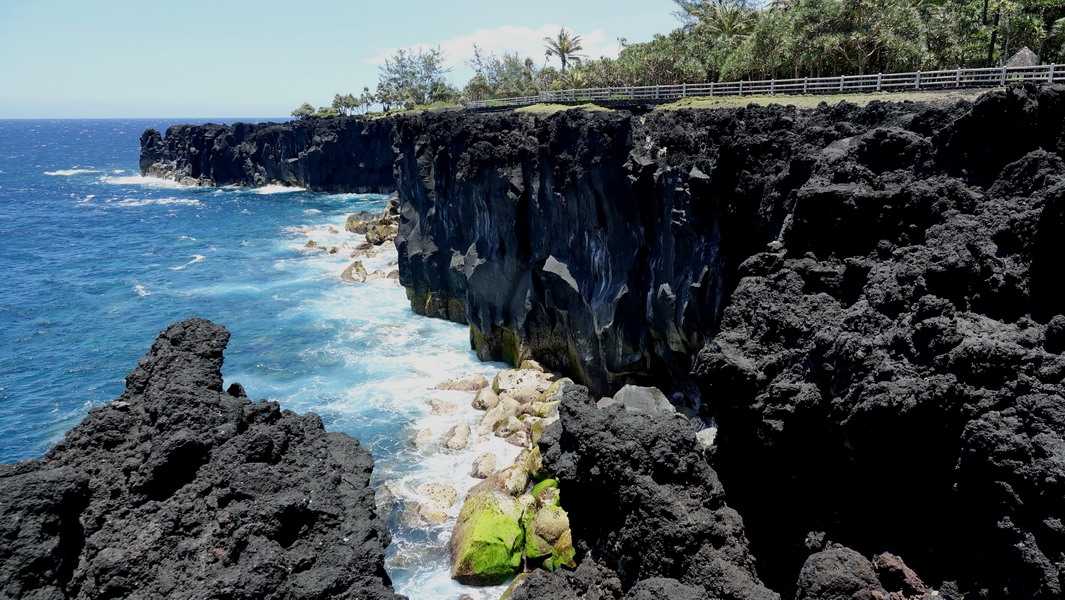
180	489
869	293
894	367
344	154
604	244
601	243
863	298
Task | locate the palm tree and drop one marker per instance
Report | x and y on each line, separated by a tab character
731	20
565	47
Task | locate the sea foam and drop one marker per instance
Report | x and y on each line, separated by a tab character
68	172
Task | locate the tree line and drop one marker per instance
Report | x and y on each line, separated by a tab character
730	40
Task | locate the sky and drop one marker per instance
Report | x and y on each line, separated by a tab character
257	59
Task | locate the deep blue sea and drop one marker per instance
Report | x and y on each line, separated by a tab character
96	260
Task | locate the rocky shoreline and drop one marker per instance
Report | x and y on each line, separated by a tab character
861	299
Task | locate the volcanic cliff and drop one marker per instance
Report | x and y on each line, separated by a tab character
861	298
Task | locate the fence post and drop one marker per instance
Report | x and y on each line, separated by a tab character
879	80
684	90
1002	77
741	87
957	78
711	88
657	89
805	84
1050	75
841	83
917	82
772	86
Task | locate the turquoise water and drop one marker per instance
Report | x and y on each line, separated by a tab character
97	260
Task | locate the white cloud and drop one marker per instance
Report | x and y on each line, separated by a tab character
508	38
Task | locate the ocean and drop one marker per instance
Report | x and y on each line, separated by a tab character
97	260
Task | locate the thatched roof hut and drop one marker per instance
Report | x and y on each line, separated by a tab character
1024	58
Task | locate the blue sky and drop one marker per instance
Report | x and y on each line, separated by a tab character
242	58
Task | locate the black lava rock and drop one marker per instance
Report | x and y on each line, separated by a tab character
336	154
178	489
643	501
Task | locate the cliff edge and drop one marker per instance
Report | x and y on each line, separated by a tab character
343	154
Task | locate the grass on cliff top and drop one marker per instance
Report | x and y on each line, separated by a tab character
550	109
811	101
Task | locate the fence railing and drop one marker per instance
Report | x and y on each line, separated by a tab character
879	82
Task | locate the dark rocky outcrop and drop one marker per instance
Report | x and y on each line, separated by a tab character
865	300
178	489
645	504
342	154
874	287
891	366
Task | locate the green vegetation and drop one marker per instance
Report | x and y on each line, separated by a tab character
810	101
565	47
544	108
409	79
730	40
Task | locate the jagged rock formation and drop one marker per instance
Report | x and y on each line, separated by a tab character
180	489
863	298
644	502
889	359
343	154
893	367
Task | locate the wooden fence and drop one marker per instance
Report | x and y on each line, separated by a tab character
880	82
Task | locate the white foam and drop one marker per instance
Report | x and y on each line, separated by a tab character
68	172
278	189
118	171
133	202
187	238
195	259
141	291
152	182
311	211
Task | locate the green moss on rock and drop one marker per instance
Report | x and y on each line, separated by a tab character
486	544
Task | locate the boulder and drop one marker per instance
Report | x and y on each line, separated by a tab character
483	466
531	365
547	537
647	400
441	407
838	574
523	395
438	498
379	233
422	438
512	379
895	576
354	272
485	399
520	439
458	437
486	543
511	481
470	383
360	221
553	393
498	414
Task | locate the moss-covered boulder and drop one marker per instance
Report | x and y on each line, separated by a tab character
486	544
548	537
518	582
